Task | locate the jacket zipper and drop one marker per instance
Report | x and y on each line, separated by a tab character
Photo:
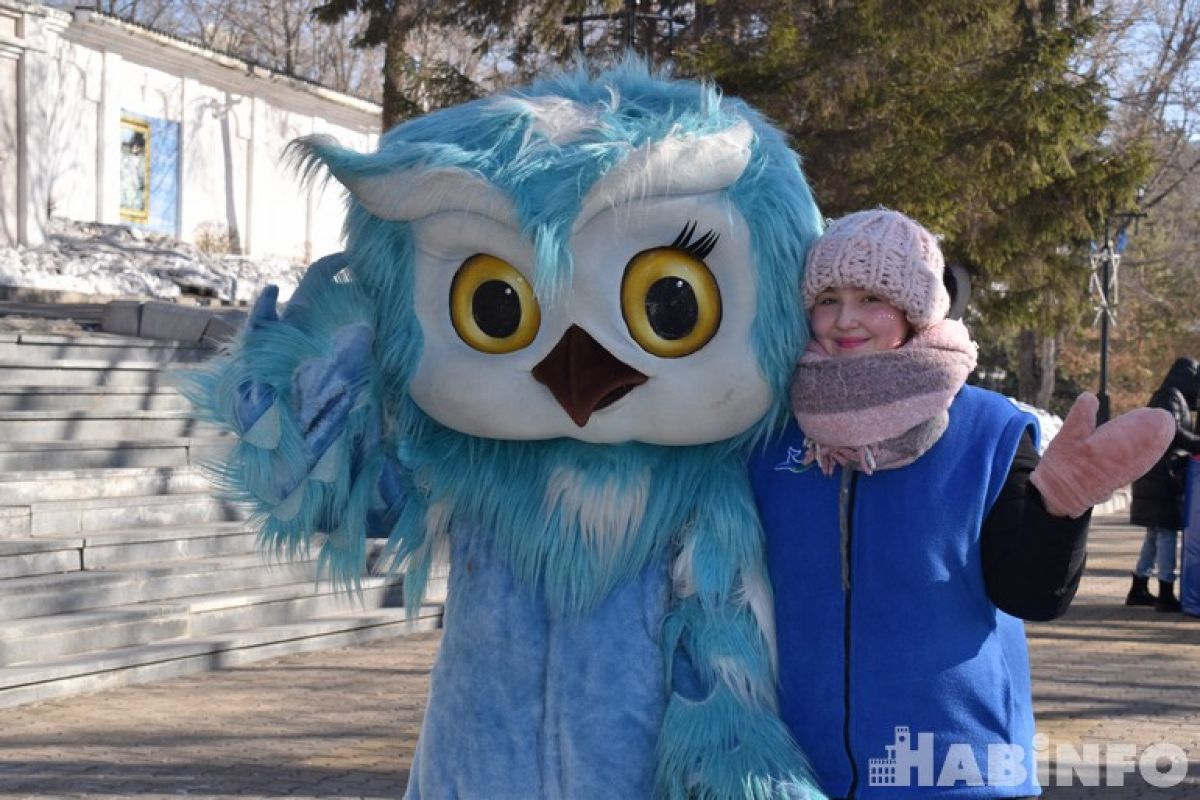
846	501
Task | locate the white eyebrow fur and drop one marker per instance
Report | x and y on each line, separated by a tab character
557	120
675	165
418	192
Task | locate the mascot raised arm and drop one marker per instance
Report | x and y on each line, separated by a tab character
561	316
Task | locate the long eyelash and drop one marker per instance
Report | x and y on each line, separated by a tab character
699	248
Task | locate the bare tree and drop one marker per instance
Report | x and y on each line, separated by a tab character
208	23
1148	53
278	34
274	33
143	12
1155	74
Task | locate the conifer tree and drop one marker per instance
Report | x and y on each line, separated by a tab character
419	36
967	115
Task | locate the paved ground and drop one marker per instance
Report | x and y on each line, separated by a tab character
343	723
1108	675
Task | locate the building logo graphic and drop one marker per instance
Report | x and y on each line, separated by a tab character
882	771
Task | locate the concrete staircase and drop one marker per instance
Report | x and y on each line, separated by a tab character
117	565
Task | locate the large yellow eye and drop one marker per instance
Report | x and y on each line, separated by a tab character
492	306
671	302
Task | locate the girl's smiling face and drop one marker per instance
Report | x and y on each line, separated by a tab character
848	321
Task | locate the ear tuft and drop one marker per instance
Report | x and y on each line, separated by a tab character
310	155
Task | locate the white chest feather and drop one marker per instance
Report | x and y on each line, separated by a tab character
605	510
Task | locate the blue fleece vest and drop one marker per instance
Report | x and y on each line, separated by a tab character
914	648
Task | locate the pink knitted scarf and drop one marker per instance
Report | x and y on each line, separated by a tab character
883	410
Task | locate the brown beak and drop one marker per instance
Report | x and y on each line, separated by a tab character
583	376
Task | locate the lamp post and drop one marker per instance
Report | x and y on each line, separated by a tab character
630	15
1108	261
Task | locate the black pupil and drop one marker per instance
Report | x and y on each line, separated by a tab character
671	308
496	307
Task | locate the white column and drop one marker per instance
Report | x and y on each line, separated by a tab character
188	129
38	74
108	142
30	221
12	47
249	240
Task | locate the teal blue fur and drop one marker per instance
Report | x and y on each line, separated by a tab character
264	479
711	627
760	760
727	738
499	486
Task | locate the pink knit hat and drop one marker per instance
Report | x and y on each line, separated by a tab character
885	252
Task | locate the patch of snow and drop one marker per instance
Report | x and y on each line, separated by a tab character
1048	422
118	260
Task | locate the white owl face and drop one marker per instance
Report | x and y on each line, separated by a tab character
650	342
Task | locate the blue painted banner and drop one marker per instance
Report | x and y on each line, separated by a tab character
1189	572
162	144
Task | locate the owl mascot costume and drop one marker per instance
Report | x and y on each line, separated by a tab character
562	315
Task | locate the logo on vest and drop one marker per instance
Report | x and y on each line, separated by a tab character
794	463
905	764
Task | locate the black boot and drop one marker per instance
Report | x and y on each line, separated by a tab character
1166	597
1139	593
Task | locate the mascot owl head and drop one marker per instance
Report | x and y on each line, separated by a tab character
606	258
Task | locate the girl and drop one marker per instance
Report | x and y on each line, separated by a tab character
910	527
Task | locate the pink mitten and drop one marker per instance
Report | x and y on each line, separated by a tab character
1084	464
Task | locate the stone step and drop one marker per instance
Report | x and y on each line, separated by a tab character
24	558
14	521
76	455
44	595
67	517
23	488
57	426
90	398
46	347
29	557
32	641
109	550
141	664
41	639
116	565
82	372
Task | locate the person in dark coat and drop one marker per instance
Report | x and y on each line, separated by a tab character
1158	495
